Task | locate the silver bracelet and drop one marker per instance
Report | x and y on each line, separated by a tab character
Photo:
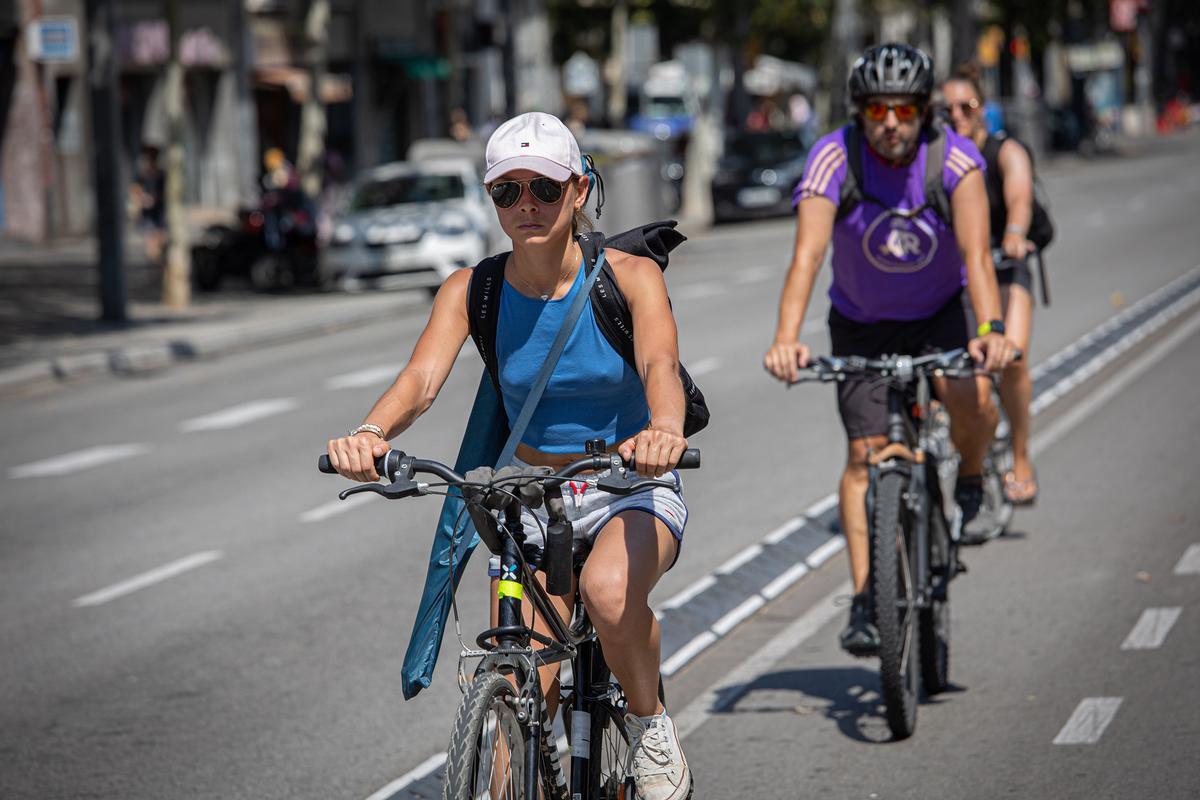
367	427
1014	229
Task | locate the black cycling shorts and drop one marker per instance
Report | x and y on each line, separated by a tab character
863	404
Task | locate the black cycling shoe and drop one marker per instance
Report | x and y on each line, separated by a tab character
860	636
979	522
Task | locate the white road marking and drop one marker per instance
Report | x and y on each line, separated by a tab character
335	507
784	581
734	618
77	461
150	578
704	366
1086	406
826	551
1189	564
821	506
722	695
239	415
686	653
1151	629
741	558
370	376
1087	724
690	592
783	531
412	776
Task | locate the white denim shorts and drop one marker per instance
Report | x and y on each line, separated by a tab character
589	509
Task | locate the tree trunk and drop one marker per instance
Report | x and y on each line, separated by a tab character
177	276
312	120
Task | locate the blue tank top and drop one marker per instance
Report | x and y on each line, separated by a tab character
592	393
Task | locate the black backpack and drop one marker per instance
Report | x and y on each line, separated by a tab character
852	193
1041	227
611	311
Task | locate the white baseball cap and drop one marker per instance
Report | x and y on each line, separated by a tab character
535	141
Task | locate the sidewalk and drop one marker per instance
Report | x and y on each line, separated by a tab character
50	333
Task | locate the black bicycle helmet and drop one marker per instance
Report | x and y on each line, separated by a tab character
892	68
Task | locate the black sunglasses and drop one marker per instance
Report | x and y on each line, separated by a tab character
505	194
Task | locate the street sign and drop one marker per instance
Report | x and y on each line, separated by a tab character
53	40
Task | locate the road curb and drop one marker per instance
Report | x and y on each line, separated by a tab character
152	357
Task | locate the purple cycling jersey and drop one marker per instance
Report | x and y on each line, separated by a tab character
885	266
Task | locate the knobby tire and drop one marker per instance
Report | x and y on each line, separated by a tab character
892	581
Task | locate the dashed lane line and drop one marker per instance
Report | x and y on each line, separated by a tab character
239	415
704	366
335	507
1189	563
1151	629
1087	724
78	461
146	579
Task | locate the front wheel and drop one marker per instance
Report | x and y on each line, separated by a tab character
894	590
487	748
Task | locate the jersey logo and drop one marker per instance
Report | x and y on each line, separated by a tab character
896	244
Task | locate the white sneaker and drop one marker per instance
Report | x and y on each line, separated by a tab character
657	764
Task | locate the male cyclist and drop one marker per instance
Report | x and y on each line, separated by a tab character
898	274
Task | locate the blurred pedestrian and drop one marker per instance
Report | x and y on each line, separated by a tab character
460	126
146	205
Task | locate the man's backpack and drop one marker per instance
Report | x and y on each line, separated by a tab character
1041	227
611	311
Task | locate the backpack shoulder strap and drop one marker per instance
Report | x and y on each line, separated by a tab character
483	310
935	162
851	193
610	309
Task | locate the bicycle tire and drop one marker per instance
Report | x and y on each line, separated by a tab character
935	620
899	629
470	761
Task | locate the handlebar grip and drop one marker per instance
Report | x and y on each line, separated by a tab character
324	465
690	459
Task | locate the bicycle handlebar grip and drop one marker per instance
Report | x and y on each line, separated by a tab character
324	464
690	459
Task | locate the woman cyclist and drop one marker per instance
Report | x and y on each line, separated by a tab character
1009	179
536	178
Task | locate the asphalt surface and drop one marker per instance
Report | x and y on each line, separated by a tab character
263	662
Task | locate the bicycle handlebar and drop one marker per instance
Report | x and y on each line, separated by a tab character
388	464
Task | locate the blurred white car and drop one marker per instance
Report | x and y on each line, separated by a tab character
410	225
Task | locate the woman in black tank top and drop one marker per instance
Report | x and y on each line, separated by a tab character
1009	182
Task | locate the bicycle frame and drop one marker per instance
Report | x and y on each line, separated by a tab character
514	651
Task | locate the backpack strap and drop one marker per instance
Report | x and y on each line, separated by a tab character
850	196
935	162
483	311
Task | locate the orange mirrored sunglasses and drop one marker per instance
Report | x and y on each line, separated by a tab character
905	112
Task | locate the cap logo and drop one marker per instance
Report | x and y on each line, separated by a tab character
524	144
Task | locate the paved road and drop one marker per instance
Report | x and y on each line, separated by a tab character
257	653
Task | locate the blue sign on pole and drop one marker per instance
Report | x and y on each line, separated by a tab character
54	39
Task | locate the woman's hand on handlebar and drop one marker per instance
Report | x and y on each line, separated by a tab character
655	451
784	360
1015	245
354	456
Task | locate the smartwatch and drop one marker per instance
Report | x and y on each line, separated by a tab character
993	326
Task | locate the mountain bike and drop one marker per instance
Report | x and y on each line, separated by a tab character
502	745
913	548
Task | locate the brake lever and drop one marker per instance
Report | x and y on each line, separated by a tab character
402	486
618	482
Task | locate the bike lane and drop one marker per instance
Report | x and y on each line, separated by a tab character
1074	647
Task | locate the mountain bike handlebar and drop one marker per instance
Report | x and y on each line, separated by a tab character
399	468
956	363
